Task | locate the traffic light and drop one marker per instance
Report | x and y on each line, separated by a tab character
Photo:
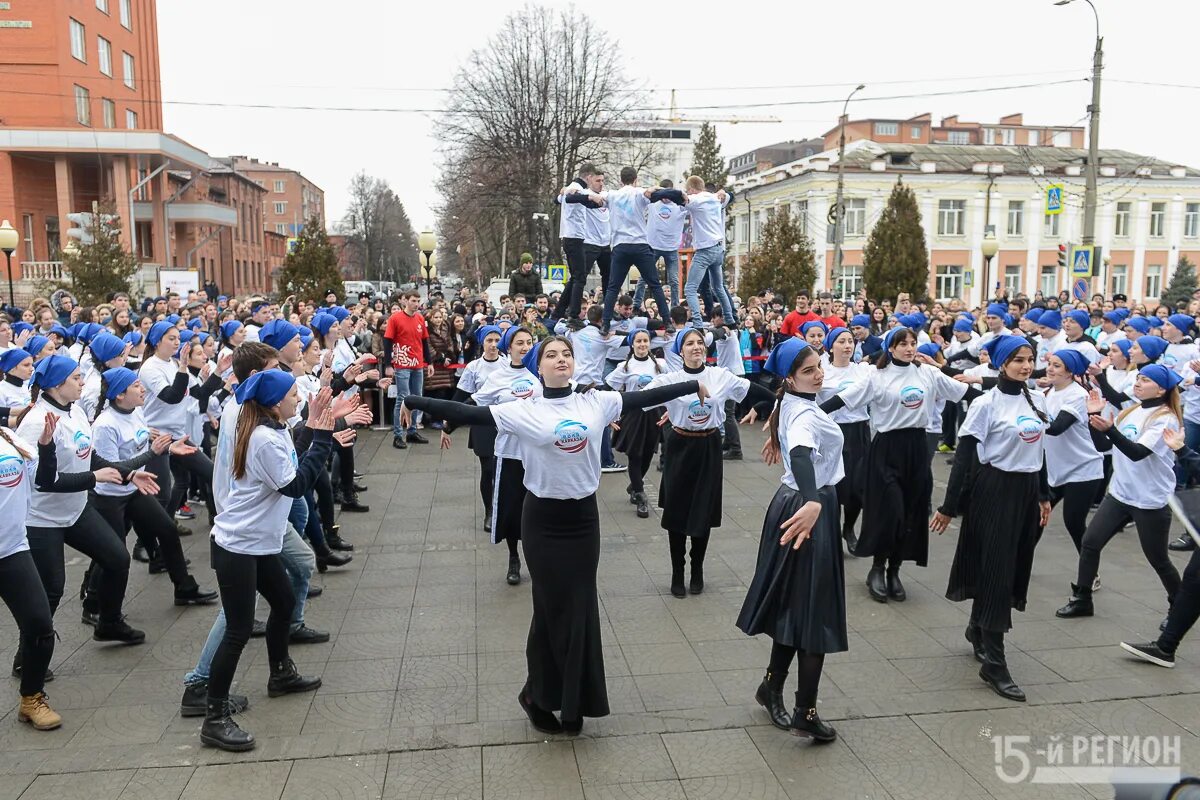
1063	252
82	230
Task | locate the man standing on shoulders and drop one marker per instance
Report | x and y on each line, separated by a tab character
406	343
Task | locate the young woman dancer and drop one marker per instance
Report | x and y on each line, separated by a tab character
17	366
1142	480
107	352
898	482
1000	465
559	434
248	537
798	593
690	491
841	373
638	432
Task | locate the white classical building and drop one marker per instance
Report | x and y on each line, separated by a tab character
659	149
1148	214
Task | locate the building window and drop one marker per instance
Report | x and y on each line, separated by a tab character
83	106
280	208
849	283
126	15
950	220
104	51
1191	220
856	217
281	228
1034	139
1049	284
887	129
989	135
27	228
1050	225
109	109
958	137
1120	282
1154	280
915	132
743	229
1061	139
78	40
949	281
1121	220
1012	279
131	120
102	5
1008	136
280	187
1158	218
802	217
127	63
1016	217
760	220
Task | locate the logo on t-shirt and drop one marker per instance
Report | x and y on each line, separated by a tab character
912	397
141	437
1029	429
644	380
83	445
12	471
665	213
522	388
699	413
844	385
570	436
1130	431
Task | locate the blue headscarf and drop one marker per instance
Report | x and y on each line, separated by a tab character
321	323
118	380
338	312
963	325
266	388
1082	318
1123	345
1184	322
20	327
1139	324
530	361
1152	346
105	347
784	356
1075	361
833	335
11	358
1001	348
37	344
1114	317
61	331
484	330
88	331
677	345
278	333
229	328
133	338
1034	315
997	310
507	337
889	336
157	331
173	319
306	337
53	370
1166	378
1051	320
930	349
629	336
860	321
815	323
195	323
967	315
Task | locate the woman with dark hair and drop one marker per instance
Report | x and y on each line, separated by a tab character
898	483
879	321
798	593
559	434
999	483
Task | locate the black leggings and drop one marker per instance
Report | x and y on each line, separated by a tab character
153	526
1077	499
173	474
678	544
239	577
1185	610
640	454
487	480
808	670
93	537
21	589
1154	532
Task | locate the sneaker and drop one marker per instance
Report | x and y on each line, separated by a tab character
306	635
416	438
1150	651
399	443
185	512
945	448
613	467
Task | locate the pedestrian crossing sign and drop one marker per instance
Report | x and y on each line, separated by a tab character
1081	261
1054	199
557	272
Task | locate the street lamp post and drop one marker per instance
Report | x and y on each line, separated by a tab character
9	239
839	208
989	247
1089	198
427	244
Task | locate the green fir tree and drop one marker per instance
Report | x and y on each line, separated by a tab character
1183	283
100	265
895	258
311	268
784	259
706	157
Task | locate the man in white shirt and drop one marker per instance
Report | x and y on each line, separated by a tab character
664	234
597	236
260	314
707	213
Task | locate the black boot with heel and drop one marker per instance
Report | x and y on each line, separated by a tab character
770	697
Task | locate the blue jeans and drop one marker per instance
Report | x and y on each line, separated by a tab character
671	266
625	256
708	262
406	381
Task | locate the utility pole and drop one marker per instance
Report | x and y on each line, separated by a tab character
1093	165
839	208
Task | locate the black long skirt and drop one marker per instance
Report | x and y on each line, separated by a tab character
636	427
508	498
856	440
690	491
482	441
798	597
898	485
994	557
564	654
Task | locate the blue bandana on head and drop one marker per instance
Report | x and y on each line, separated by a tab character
157	331
860	321
963	325
258	306
530	361
118	380
195	323
677	345
1139	324
967	315
1114	317
1183	322
1051	320
1152	346
322	323
815	323
1075	361
88	331
105	347
229	328
36	345
277	333
930	349
339	312
1081	318
9	359
833	335
1009	321
53	370
1123	345
173	319
507	337
1001	348
630	336
1166	378
61	331
486	330
20	327
997	310
306	337
889	336
1034	315
267	388
133	338
784	356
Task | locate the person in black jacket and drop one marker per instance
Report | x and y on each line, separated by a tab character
526	280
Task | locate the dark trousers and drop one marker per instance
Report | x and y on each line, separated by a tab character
640	454
239	577
1184	611
1077	502
733	437
951	413
592	254
1154	532
625	256
576	275
93	537
21	589
487	480
153	525
173	474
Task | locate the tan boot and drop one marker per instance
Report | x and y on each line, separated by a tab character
36	711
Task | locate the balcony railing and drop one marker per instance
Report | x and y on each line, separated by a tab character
43	271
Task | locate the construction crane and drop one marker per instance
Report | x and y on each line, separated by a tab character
676	117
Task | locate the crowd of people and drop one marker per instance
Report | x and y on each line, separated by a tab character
115	417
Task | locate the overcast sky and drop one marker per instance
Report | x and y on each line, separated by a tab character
372	53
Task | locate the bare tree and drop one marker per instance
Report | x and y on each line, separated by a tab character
379	230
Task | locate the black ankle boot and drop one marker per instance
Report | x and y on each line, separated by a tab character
895	588
327	558
972	635
335	541
189	593
514	570
220	731
696	584
850	539
16	668
286	680
995	667
642	502
541	719
1080	604
677	587
876	585
770	697
195	701
807	723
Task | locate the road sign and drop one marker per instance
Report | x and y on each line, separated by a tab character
969	278
1080	288
558	272
1081	262
1054	198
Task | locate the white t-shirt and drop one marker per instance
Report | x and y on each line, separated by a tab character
1147	483
627	207
708	220
570	222
73	448
1046	347
1085	348
802	423
1010	433
1179	355
223	455
560	439
837	380
1071	457
156	375
688	412
119	436
664	225
897	396
635	374
476	373
343	355
729	354
16	491
13	395
90	397
957	348
506	385
597	230
1104	339
591	351
253	519
252	330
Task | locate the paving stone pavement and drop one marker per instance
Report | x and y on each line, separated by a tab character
427	656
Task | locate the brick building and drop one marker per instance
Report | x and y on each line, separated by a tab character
1010	130
291	199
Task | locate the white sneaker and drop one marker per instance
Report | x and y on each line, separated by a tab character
614	467
1096	584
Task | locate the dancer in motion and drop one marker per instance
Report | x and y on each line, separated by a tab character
840	374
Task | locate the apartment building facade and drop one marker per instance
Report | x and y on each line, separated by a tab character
290	200
1009	131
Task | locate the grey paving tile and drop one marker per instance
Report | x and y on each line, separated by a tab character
347	778
258	781
623	760
649	790
165	783
704	754
101	785
531	770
